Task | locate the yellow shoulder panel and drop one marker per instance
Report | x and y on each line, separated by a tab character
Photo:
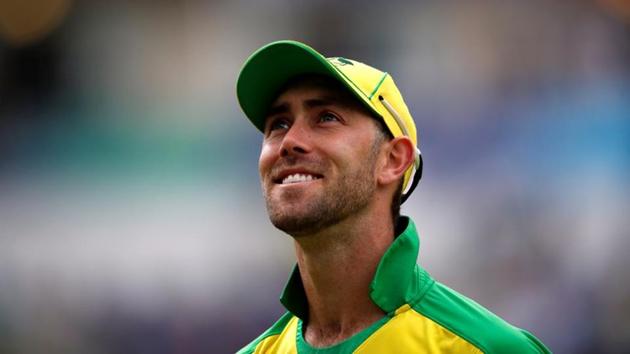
411	332
283	343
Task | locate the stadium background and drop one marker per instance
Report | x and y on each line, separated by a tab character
131	219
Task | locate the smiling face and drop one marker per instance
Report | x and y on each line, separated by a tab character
317	163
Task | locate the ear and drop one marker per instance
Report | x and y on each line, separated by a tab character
399	156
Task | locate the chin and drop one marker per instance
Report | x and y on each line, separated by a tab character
294	218
296	226
285	214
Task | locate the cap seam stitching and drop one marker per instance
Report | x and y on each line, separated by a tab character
378	85
349	80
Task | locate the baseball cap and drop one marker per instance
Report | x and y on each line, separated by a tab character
270	67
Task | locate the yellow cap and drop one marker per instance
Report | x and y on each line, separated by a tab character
270	67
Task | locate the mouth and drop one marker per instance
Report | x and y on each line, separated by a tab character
298	177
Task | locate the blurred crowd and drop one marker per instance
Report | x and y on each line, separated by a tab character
131	219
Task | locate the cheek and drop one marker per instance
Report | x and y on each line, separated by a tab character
266	158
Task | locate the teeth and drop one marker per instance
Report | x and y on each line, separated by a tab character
296	178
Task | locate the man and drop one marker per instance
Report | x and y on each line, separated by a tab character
339	150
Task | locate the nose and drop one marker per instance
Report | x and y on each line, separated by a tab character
296	141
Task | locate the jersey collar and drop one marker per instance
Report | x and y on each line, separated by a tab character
394	281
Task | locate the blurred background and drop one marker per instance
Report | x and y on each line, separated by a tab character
131	217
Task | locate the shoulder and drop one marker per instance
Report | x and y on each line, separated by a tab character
474	323
275	329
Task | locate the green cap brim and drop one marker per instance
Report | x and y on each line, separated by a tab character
269	68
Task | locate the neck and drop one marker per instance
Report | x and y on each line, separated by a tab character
337	266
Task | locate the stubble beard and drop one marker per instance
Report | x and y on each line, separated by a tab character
352	193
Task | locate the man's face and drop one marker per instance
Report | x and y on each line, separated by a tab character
317	160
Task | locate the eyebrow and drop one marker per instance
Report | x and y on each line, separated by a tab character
309	103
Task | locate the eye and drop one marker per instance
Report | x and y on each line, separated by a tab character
328	117
277	123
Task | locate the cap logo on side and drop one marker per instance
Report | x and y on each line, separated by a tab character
342	61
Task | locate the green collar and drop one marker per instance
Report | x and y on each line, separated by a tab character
394	281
